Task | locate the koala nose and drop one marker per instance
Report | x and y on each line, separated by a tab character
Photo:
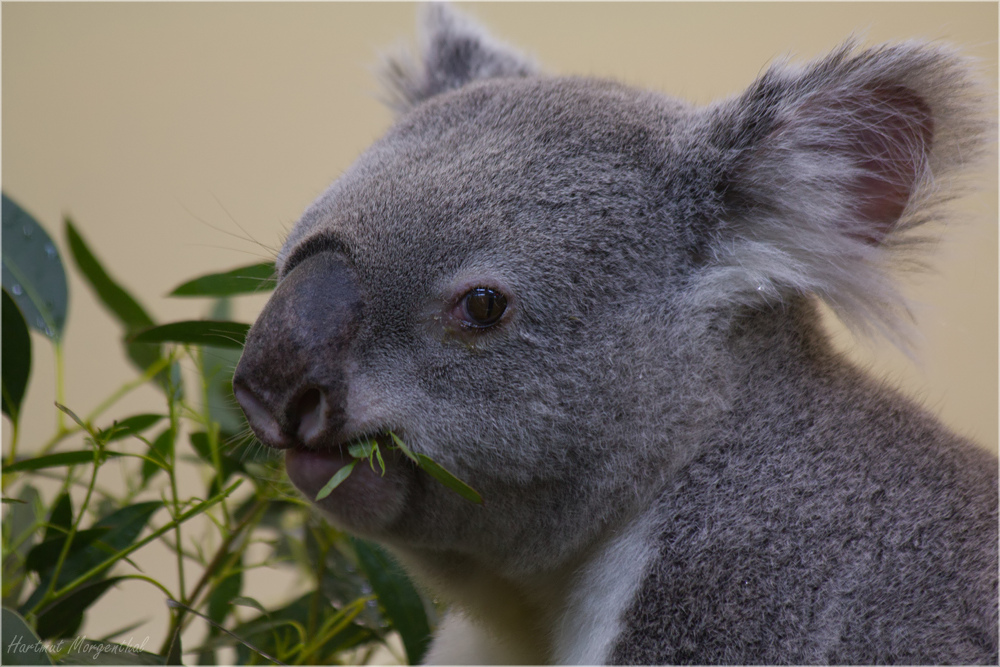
290	380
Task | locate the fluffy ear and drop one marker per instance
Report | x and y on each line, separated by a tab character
822	170
454	51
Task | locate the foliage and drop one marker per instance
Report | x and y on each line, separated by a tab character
65	551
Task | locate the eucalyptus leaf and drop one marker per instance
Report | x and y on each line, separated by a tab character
246	601
336	480
437	471
32	271
42	558
121	527
21	646
252	279
196	332
114	297
118	531
270	631
117	300
162	450
19	536
129	426
16	355
176	649
63	617
403	448
403	606
60	518
56	460
217	369
221	597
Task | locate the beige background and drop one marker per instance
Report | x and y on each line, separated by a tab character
186	138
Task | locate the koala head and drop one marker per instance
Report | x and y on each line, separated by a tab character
530	278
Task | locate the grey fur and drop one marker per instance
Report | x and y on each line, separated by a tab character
659	406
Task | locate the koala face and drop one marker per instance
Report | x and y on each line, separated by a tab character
492	298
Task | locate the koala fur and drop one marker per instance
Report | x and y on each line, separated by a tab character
676	464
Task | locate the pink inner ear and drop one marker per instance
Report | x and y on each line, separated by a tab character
887	131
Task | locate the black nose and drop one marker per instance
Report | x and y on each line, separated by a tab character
291	380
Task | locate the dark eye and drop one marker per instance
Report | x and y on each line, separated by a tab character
483	307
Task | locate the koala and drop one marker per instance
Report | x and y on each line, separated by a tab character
598	306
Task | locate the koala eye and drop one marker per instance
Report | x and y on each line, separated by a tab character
482	307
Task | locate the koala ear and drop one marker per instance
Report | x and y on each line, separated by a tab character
825	167
454	52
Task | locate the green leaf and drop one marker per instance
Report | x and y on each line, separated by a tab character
56	460
196	332
72	415
64	616
60	518
94	652
21	646
175	651
274	630
217	369
403	448
220	599
246	601
114	297
19	536
367	449
336	480
121	528
363	449
403	606
42	558
438	472
253	279
32	271
129	426
435	470
16	355
162	450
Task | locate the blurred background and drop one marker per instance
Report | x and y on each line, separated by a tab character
186	138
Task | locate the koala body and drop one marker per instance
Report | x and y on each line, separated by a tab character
597	306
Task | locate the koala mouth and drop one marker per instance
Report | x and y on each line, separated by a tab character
366	491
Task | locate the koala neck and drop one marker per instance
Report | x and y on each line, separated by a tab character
540	618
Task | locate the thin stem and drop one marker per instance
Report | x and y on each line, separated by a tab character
212	432
172	474
60	383
194	511
212	568
12	456
64	432
68	542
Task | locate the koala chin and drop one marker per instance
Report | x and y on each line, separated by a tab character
597	306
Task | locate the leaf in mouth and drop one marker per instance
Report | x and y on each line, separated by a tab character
369	449
335	481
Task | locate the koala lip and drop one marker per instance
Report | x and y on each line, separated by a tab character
367	498
310	467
